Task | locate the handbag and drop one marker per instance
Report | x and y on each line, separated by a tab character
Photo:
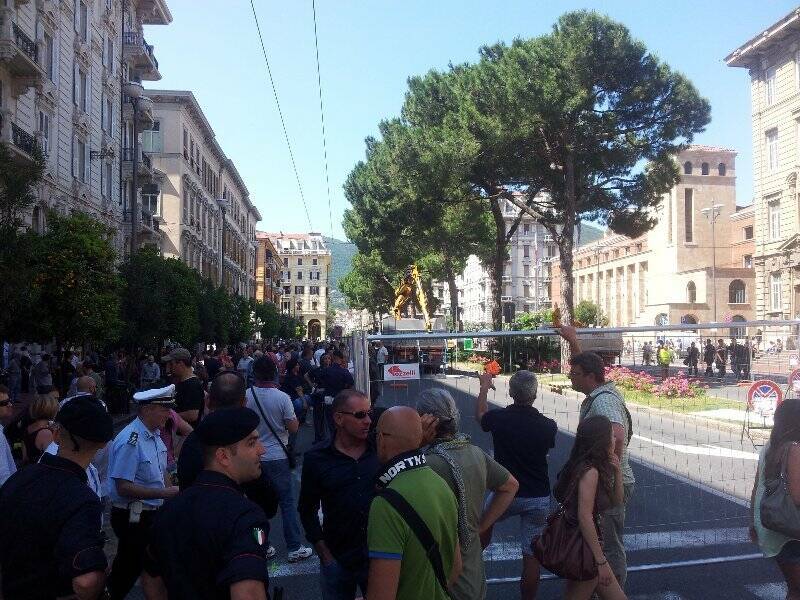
561	548
289	455
778	510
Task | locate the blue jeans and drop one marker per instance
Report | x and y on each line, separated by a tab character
339	583
281	477
300	413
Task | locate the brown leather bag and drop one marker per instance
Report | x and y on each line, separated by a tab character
561	548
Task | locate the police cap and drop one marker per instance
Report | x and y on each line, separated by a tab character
164	396
226	426
87	418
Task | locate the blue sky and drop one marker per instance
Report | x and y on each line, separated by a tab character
367	50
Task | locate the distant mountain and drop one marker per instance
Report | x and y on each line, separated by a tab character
341	258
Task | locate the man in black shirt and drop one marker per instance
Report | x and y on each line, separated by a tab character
213	364
522	438
339	474
333	380
51	543
189	393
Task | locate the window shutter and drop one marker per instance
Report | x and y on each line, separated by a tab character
87	165
76	9
74	158
76	85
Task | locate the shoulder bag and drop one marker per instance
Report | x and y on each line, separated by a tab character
289	455
561	548
778	510
420	529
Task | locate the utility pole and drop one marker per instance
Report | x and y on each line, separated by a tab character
712	213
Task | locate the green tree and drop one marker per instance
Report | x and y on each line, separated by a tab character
18	181
534	320
588	313
78	285
369	285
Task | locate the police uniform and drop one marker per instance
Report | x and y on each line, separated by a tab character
211	536
50	528
139	456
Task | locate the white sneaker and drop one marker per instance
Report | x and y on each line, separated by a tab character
271	552
301	553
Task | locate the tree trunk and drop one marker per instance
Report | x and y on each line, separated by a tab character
496	267
565	245
451	284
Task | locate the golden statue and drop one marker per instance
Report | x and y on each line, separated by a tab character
411	280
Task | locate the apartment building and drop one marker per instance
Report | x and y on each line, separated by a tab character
526	275
268	271
305	268
772	59
61	67
695	266
196	199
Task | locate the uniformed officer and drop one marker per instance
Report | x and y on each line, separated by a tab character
137	465
210	542
51	544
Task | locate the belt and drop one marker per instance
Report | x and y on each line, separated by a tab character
125	507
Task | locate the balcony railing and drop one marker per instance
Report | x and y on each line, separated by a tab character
22	139
26	44
132	38
127	156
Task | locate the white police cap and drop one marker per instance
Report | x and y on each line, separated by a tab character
164	396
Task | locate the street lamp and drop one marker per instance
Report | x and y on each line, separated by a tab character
134	90
712	213
224	204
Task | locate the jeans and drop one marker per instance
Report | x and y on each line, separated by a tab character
281	477
532	513
299	412
612	526
339	583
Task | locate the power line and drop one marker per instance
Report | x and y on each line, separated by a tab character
322	115
280	113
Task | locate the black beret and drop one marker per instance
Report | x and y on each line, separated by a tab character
85	417
226	426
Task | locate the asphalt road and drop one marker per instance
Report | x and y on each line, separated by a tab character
686	530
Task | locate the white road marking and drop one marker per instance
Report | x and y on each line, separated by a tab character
702	449
768	591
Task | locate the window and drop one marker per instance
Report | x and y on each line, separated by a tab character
76	94
186	143
314	305
44	128
83	21
769	87
314	261
526	228
285	262
152	139
736	293
526	291
299	262
185	206
49	57
299	290
691	292
108	179
83	91
687	168
748	232
287	289
526	251
774	218
747	261
83	162
526	270
704	169
775	292
150	197
285	306
688	214
110	55
772	150
299	275
313	290
721	169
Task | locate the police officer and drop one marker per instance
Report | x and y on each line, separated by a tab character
137	465
51	544
210	542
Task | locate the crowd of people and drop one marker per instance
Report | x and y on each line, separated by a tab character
396	502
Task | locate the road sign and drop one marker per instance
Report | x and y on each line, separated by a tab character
468	344
763	397
400	372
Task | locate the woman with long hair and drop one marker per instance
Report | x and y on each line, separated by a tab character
782	451
589	483
39	431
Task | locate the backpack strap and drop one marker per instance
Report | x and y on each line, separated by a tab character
420	529
624	407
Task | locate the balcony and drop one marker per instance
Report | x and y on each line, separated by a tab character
22	144
139	55
19	52
145	112
145	170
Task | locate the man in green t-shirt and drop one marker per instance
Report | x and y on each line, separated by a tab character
399	567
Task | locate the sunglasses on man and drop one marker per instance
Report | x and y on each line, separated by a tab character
359	414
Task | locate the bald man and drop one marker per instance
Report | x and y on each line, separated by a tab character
413	503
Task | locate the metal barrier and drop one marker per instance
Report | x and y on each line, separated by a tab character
698	426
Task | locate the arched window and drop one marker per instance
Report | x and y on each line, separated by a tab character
687	168
736	292
691	292
738	332
721	169
704	168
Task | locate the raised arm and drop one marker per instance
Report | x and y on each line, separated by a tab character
482	405
569	335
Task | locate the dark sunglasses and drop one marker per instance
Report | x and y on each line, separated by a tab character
5	402
360	414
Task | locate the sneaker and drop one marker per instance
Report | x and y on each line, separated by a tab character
301	553
271	552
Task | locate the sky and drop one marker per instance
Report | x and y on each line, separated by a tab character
368	49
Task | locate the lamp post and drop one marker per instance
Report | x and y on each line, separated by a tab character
712	213
223	204
134	90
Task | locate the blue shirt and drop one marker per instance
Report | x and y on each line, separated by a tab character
137	455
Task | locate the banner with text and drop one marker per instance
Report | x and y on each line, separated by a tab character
400	372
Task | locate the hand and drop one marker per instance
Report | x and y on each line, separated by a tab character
485	537
567	332
604	574
171	491
486	381
753	534
614	460
429	424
